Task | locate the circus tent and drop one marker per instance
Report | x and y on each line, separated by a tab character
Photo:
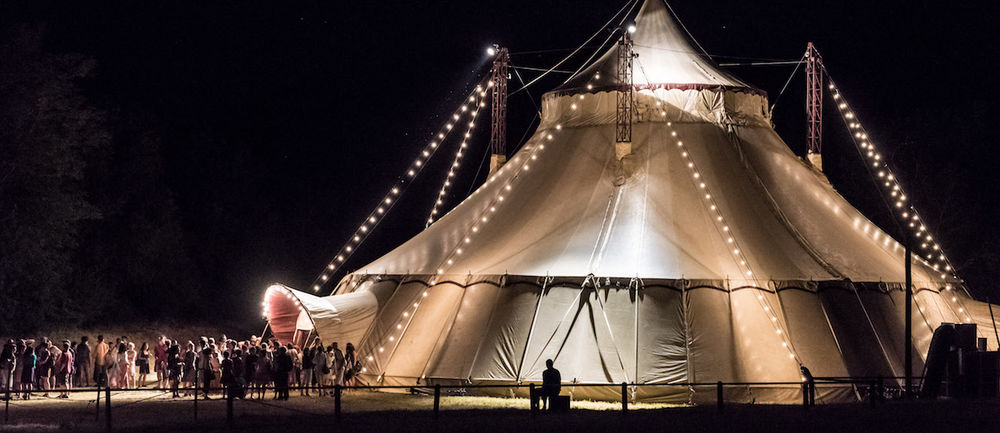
710	252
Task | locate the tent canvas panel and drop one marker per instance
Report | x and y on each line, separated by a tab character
864	354
468	326
499	351
422	334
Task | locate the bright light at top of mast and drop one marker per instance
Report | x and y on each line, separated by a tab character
491	51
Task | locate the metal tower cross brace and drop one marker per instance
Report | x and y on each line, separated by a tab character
623	122
498	128
814	105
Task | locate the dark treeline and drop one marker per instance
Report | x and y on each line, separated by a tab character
148	159
89	231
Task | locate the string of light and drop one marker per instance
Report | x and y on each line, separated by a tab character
723	227
930	252
275	291
478	103
396	190
396	332
737	253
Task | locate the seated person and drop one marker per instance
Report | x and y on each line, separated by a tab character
551	383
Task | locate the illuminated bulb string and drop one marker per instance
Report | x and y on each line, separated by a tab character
396	191
930	252
396	333
276	290
457	161
728	234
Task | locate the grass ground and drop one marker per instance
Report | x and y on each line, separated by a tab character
373	411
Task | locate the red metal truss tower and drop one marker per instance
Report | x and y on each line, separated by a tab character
623	129
814	105
498	129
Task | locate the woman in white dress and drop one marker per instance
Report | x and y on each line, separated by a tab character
321	368
129	373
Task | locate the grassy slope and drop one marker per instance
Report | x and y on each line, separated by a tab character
376	412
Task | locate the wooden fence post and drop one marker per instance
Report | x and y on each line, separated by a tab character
229	406
720	402
624	398
532	399
437	399
336	401
107	407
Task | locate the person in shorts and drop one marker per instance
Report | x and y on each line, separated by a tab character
64	371
82	359
160	362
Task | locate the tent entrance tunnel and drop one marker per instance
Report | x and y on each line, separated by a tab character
710	252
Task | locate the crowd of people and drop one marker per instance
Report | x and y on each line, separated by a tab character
245	369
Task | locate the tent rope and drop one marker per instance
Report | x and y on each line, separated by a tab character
584	44
614	343
787	82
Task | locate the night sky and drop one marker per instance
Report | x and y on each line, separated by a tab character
284	122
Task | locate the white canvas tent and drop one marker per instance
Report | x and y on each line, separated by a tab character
621	271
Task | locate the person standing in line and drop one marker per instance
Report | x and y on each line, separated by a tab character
54	354
338	366
101	362
190	368
265	371
44	368
82	359
282	368
238	385
296	372
205	371
19	346
64	368
216	362
351	365
28	363
305	381
321	368
250	368
118	365
142	360
130	361
175	367
7	365
160	362
226	370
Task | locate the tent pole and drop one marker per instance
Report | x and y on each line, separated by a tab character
685	299
399	341
266	325
445	334
531	328
995	333
635	375
908	348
